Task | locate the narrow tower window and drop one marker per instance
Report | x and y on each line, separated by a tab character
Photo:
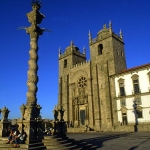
124	116
136	88
122	91
139	113
65	63
100	49
121	87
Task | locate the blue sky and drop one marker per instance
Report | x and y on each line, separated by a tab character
68	20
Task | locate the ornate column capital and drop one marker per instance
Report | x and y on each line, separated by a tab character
22	109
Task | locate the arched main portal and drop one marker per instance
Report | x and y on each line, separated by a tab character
80	104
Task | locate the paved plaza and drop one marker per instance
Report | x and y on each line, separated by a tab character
115	141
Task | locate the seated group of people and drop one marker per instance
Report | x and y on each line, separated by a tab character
49	131
15	137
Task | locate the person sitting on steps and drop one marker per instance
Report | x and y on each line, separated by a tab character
19	139
11	137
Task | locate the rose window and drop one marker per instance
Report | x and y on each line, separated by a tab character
82	82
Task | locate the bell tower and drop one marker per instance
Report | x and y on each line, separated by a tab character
72	56
107	58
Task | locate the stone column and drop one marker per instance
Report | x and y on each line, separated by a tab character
22	109
35	18
60	126
31	119
5	111
4	123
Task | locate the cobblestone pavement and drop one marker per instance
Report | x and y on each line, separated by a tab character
115	140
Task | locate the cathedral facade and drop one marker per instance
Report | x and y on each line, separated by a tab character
87	89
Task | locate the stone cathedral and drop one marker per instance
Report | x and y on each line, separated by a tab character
86	90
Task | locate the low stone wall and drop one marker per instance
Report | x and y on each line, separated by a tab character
126	128
75	130
144	127
132	128
119	128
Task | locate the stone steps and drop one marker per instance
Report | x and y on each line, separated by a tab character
49	143
36	145
54	142
22	147
58	143
33	148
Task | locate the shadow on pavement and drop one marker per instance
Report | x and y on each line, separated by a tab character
134	147
99	140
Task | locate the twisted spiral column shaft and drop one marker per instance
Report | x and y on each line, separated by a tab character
32	72
32	110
